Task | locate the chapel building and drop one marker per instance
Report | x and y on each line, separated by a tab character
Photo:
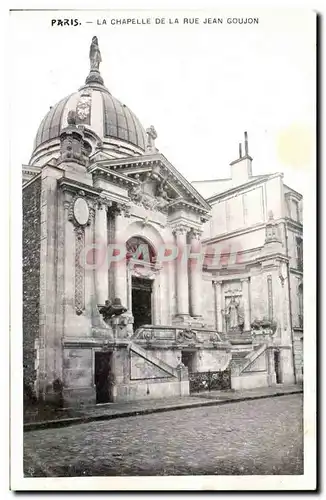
137	283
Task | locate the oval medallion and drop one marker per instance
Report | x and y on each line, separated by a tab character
81	211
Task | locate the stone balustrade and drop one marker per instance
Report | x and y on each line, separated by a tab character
169	336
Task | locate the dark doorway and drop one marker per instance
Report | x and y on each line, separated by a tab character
103	377
187	358
141	302
277	367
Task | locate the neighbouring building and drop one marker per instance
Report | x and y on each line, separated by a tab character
137	286
255	236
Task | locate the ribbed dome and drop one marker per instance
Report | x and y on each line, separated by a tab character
113	122
118	121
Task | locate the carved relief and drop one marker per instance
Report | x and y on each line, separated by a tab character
180	229
151	197
79	271
83	109
270	297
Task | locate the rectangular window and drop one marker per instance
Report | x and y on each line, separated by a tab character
299	243
296	212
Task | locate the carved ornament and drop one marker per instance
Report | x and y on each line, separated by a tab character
79	211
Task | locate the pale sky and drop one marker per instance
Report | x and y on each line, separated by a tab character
201	86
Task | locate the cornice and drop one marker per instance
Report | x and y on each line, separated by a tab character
243	187
296	271
153	159
75	186
237	232
112	176
293	224
30	181
293	194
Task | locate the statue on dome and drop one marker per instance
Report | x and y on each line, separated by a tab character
151	136
95	54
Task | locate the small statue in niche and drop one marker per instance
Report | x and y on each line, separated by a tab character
232	313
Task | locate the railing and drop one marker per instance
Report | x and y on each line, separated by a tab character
209	381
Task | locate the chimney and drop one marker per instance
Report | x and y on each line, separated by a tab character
241	168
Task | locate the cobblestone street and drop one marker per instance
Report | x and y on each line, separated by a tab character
250	437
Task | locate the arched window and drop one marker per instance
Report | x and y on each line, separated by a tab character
140	249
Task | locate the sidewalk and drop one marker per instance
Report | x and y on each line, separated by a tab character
117	410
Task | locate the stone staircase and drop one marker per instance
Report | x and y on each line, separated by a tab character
152	359
242	358
238	337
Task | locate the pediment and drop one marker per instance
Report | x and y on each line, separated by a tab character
155	183
100	156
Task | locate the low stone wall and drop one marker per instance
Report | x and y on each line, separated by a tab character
249	381
150	389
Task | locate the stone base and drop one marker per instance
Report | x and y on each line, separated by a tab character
272	379
76	397
150	390
249	381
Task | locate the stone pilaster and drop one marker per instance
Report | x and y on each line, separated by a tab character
120	266
182	272
195	274
218	305
101	244
246	304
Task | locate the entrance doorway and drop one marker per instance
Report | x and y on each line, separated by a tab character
141	301
103	377
277	364
187	358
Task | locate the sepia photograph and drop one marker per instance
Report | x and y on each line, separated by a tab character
163	165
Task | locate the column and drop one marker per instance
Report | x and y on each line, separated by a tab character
129	289
286	353
218	305
101	245
246	304
182	271
195	274
120	266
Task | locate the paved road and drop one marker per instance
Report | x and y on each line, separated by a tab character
251	437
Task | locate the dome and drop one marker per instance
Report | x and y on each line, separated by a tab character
115	125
